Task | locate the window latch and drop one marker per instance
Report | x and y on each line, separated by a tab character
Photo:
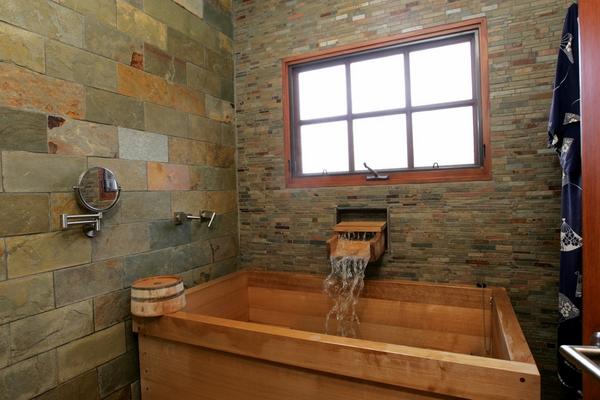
375	176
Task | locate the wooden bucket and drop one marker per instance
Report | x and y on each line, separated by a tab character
157	295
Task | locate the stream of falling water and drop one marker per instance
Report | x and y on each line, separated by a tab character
343	285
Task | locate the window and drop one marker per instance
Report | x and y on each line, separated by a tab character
414	108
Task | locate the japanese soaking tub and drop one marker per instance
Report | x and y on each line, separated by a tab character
260	335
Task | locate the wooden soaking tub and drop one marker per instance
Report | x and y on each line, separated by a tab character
259	335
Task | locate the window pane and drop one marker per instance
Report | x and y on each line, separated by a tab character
443	136
441	74
322	92
378	84
324	147
380	142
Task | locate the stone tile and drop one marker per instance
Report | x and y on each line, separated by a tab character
82	387
223	268
72	64
205	129
24	89
184	47
104	10
4	345
131	339
228	136
23	297
21	47
78	283
23	213
32	172
24	380
145	206
224	248
185	151
121	240
202	32
136	23
110	42
222	201
118	373
157	62
227	89
203	80
62	203
167	234
114	109
46	252
201	253
210	178
168	177
120	394
22	130
136	391
91	351
196	276
3	272
69	136
220	156
135	83
165	120
42	332
46	18
221	63
218	109
170	13
161	262
130	174
196	7
139	145
111	308
218	17
189	202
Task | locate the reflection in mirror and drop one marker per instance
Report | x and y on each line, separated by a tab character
98	189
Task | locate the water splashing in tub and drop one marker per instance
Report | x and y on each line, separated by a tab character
343	285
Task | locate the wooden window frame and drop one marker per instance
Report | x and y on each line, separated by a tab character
482	171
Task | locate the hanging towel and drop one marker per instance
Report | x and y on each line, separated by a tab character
564	135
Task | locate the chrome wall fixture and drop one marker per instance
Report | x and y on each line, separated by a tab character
205	215
585	358
97	191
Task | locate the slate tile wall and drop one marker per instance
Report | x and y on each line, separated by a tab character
143	87
503	231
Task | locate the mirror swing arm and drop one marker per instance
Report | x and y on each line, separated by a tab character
91	222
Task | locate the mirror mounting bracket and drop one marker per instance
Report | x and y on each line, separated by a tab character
90	222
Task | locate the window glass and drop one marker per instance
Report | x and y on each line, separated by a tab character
322	92
378	84
324	147
380	142
441	74
443	136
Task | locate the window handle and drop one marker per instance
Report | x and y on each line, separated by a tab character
375	175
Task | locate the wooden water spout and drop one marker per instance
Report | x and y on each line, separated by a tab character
364	239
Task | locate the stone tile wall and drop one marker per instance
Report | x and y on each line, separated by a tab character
503	231
143	87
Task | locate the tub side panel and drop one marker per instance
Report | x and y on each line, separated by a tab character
172	370
433	371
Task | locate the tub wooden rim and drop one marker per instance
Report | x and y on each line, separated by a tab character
404	366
